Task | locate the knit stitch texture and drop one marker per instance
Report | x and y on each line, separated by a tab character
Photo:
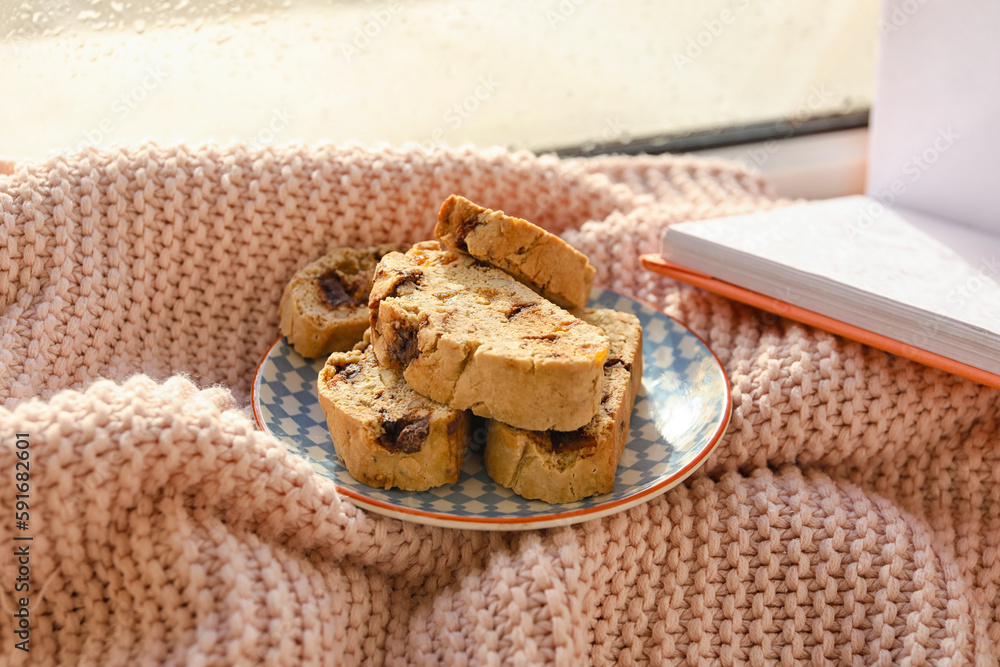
851	514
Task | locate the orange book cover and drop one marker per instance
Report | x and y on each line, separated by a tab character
655	262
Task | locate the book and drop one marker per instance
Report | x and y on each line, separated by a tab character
913	266
916	282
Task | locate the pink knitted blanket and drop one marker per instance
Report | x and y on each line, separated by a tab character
851	515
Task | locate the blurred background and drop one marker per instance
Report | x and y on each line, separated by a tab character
578	77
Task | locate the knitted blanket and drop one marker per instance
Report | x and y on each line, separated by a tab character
851	514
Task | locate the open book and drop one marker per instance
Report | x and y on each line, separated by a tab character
913	267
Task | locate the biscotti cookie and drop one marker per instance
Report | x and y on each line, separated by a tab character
385	433
324	307
537	258
561	467
469	336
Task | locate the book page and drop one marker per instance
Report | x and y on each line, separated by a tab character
889	271
935	135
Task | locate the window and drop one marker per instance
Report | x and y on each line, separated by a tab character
582	75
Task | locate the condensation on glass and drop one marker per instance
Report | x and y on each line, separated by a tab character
521	74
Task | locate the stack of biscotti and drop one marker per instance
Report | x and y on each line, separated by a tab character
478	326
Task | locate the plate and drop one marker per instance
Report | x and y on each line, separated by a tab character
681	412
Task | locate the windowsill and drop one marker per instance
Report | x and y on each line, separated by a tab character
818	166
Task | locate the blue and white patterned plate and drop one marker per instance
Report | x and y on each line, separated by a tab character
681	412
